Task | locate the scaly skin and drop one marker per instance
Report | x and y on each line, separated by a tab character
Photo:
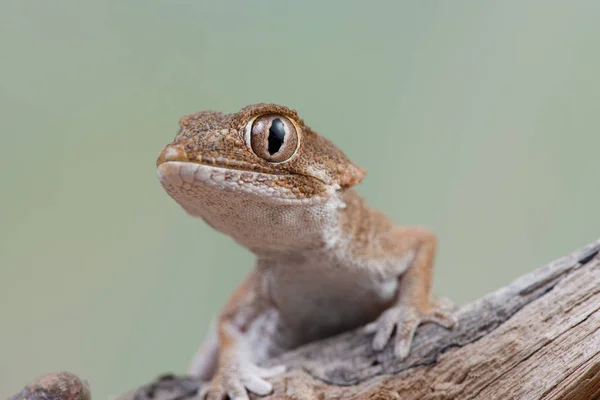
326	262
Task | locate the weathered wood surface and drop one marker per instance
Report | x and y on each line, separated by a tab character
537	338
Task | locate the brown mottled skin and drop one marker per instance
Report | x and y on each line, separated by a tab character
326	262
199	145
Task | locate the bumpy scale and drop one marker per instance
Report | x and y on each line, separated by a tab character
325	262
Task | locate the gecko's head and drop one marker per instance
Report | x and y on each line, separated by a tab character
263	153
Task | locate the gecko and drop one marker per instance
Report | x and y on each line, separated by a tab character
325	262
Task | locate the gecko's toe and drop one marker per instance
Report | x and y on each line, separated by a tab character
385	325
370	328
270	371
211	393
258	385
401	349
442	318
237	392
405	321
236	378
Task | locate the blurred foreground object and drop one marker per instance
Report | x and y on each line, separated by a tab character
55	386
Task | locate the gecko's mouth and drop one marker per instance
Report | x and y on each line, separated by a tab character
174	153
183	180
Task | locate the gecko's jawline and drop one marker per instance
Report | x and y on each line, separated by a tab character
178	177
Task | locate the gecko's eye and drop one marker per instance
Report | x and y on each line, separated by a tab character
273	138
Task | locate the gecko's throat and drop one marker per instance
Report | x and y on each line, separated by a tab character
237	203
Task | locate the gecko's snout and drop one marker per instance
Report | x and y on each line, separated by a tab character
172	152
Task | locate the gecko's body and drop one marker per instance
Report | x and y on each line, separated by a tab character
326	262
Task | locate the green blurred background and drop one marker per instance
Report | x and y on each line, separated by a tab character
479	119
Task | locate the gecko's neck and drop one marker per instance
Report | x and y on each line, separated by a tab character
293	230
323	230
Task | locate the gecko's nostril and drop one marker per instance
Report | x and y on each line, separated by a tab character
171	153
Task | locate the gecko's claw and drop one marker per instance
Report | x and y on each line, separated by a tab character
405	321
235	379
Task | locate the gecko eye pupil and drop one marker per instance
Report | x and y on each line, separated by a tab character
276	136
273	137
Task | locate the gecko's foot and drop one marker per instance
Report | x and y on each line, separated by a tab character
235	379
406	320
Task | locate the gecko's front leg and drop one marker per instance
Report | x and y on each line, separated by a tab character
413	305
246	329
237	372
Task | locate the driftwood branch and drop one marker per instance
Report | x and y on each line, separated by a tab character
537	338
